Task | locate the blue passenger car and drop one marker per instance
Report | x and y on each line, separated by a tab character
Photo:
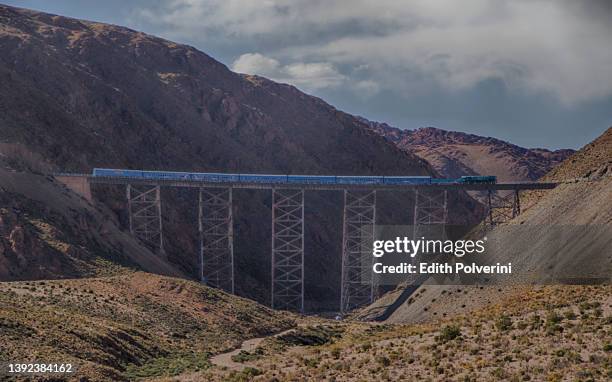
311	179
359	180
155	175
167	175
261	178
216	177
399	180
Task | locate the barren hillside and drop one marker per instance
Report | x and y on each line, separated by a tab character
126	327
48	232
592	161
579	203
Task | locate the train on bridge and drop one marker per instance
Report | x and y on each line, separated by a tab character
287	179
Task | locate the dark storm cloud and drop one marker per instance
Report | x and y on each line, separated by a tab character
544	47
596	10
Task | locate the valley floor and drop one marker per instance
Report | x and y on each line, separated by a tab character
556	333
138	326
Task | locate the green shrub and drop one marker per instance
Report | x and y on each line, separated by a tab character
552	322
169	366
503	323
449	333
252	371
335	353
311	362
245	356
536	322
310	336
245	375
553	317
570	315
384	361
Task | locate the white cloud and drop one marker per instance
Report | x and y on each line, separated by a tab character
255	63
549	47
314	74
309	76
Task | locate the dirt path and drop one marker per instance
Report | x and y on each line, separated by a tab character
225	359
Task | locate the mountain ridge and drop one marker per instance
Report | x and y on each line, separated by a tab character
454	153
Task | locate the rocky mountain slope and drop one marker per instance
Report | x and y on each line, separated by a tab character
77	94
47	232
126	327
569	224
593	161
454	154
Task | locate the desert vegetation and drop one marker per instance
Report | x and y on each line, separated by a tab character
552	333
130	326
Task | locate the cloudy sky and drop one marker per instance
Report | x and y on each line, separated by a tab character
535	72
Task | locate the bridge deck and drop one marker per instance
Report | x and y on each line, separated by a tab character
258	185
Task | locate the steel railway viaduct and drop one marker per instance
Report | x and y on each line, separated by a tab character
215	226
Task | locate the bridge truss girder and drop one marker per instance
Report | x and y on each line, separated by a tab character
144	210
358	284
215	226
288	249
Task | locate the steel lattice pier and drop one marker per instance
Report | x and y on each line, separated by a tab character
144	210
430	218
358	284
288	249
215	225
501	208
430	207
